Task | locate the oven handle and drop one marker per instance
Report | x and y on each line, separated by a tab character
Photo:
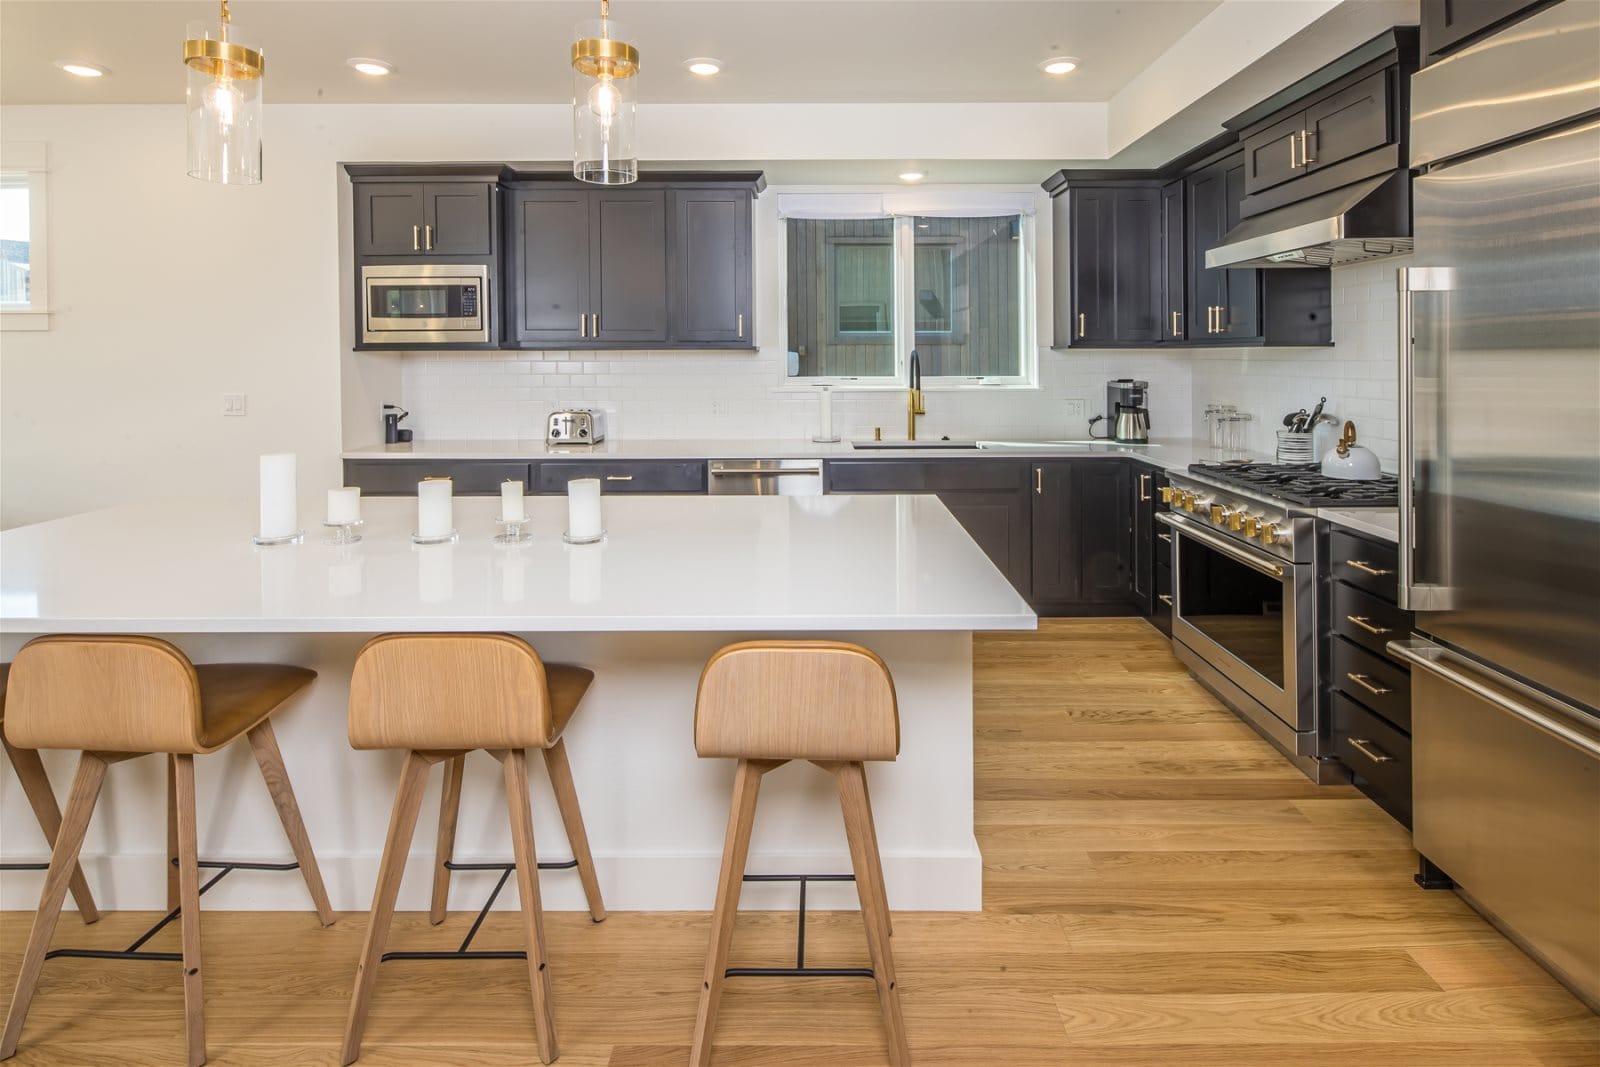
1221	544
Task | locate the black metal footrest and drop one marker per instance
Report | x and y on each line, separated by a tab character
24	866
462	953
799	970
223	869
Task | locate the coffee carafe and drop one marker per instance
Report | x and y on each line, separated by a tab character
1127	410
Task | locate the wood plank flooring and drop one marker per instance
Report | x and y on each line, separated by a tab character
1161	890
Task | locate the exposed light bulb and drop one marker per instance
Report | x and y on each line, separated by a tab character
224	100
605	100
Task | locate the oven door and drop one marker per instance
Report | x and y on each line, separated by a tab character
425	304
1248	614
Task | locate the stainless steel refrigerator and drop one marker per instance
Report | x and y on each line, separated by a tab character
1500	481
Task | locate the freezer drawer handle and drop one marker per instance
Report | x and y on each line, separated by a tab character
1366	683
1369	750
1366	624
1431	658
1366	568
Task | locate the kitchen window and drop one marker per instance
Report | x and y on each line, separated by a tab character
23	304
862	292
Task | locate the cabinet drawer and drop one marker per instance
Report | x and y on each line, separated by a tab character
1373	681
1366	620
646	476
399	477
1378	755
1370	565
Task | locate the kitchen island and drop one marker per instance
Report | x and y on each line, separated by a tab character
675	579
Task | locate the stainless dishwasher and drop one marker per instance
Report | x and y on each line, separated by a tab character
766	477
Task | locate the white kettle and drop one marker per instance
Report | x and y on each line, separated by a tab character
1349	460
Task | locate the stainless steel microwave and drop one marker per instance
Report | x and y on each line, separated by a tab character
425	304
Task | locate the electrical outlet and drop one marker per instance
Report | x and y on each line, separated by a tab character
719	407
1076	410
234	404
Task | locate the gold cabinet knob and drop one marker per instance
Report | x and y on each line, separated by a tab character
1236	521
1268	533
1250	525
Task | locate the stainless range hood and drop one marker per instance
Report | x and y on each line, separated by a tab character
1367	220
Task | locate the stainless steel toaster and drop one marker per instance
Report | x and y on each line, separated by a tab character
582	426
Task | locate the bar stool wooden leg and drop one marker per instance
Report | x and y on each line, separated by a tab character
449	811
63	860
36	786
851	778
519	804
402	825
264	743
877	858
172	831
735	852
560	770
194	1001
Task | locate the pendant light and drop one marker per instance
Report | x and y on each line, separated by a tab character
224	98
604	103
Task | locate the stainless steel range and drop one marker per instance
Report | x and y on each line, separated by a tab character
1244	577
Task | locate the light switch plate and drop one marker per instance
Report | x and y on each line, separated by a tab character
1076	410
235	404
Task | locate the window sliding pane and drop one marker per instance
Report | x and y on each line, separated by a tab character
841	296
968	279
14	246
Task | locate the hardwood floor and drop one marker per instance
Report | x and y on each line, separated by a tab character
1161	890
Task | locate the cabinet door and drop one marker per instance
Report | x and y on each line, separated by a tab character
550	253
1272	156
628	266
711	266
399	477
1348	123
1174	320
389	218
1136	266
1102	514
1205	222
998	521
459	218
1092	248
1055	549
1241	314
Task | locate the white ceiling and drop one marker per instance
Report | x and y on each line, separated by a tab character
515	51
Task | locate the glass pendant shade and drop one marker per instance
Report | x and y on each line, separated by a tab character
605	105
224	104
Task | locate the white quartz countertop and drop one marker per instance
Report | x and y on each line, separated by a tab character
1382	523
755	564
1164	454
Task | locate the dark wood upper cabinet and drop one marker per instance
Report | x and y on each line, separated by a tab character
424	219
1206	217
1240	319
711	269
549	269
628	266
1112	290
1174	264
1273	155
1451	24
1348	123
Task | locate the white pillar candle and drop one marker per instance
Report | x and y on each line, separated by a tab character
583	509
511	506
435	512
825	413
279	514
344	505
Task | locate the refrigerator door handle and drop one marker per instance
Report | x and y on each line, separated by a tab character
1413	596
1440	661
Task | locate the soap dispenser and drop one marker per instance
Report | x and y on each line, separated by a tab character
392	433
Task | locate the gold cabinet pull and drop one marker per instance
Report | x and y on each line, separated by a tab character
1038	481
741	324
619	477
1083	324
416	238
1223	326
583	325
1366	683
1366	624
1369	750
1293	163
1306	158
1164	537
1144	488
1165	599
594	324
427	238
1366	568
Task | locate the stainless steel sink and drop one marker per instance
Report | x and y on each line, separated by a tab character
887	445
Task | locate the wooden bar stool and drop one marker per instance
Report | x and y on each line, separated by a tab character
114	698
438	697
766	703
36	787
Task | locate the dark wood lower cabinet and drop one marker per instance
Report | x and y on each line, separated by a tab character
1082	536
399	477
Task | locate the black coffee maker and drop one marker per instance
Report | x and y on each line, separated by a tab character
1126	415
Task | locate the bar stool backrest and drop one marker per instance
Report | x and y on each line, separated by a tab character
449	692
815	700
103	693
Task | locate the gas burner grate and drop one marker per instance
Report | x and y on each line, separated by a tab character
1303	484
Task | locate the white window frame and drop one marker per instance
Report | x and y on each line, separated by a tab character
904	332
29	161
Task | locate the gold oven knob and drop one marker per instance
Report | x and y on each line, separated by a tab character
1268	533
1190	502
1236	521
1166	494
1250	525
1218	513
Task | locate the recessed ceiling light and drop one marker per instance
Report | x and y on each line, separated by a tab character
375	68
703	66
912	175
81	70
1059	65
